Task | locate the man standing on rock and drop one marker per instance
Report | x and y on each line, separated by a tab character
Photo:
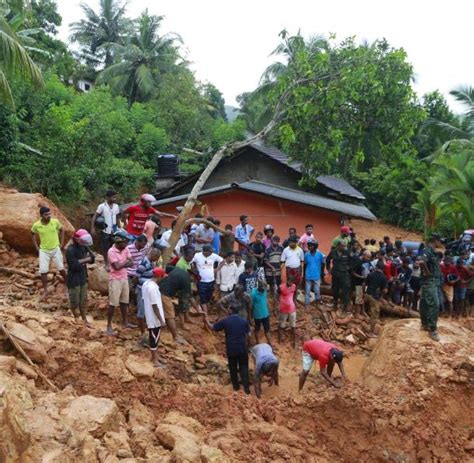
154	313
266	365
327	355
236	330
51	244
109	213
78	255
119	259
430	278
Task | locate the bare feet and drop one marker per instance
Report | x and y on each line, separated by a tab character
130	325
88	324
44	296
180	340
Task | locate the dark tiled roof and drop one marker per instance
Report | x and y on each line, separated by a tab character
339	185
277	155
352	210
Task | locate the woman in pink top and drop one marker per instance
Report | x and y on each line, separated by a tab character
287	309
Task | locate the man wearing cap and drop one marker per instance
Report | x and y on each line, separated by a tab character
338	264
430	279
268	232
327	354
272	263
266	366
154	314
78	255
51	244
345	236
314	263
119	259
135	216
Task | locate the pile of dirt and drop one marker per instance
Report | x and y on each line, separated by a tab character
19	212
103	402
365	229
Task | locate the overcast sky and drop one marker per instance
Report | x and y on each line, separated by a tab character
229	42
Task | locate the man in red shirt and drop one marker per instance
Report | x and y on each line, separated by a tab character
136	216
326	354
450	278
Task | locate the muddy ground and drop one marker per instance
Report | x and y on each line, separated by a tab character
408	399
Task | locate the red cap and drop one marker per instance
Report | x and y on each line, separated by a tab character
80	233
159	272
345	229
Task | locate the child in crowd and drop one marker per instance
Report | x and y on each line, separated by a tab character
287	309
248	279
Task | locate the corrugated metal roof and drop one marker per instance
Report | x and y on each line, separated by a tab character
277	155
352	210
340	185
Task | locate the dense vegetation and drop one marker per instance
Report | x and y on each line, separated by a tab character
71	145
347	109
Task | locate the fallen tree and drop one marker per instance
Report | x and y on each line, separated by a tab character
385	306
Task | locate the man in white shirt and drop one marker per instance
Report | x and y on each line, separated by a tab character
227	275
204	262
108	212
154	314
292	258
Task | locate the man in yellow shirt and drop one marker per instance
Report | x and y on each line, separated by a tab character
51	244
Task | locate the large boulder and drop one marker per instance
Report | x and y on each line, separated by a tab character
98	279
97	416
18	212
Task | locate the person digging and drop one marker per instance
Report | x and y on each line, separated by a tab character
327	354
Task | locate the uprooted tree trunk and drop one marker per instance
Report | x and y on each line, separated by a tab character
226	151
385	306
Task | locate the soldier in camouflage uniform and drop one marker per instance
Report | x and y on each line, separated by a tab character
430	278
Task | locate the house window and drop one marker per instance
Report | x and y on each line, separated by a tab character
87	87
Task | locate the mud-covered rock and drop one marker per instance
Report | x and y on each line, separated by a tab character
16	222
139	367
92	414
98	279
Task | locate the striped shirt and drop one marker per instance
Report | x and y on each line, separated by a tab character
137	257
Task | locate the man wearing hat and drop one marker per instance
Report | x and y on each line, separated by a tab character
266	366
430	279
51	244
154	313
78	255
327	354
120	259
345	236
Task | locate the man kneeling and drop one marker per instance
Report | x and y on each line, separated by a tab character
327	355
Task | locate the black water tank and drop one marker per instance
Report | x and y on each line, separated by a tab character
168	165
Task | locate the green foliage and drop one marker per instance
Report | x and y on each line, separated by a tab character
151	142
215	101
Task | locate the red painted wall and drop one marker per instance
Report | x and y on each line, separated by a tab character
262	209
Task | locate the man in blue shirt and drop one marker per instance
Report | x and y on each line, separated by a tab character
314	261
243	233
236	331
260	311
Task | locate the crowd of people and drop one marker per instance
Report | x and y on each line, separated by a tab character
242	276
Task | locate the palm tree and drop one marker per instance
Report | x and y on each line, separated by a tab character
141	61
457	136
98	32
14	59
258	106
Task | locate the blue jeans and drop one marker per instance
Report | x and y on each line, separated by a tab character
312	285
